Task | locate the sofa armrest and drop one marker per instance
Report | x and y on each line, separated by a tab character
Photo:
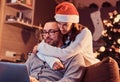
105	71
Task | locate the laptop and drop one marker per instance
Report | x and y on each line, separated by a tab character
13	72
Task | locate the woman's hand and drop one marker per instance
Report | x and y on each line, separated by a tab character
32	79
34	51
58	66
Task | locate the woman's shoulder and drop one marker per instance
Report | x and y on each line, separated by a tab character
85	30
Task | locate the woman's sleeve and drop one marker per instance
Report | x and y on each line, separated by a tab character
49	59
82	40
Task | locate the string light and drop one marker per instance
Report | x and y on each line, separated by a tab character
102	48
118	41
117	19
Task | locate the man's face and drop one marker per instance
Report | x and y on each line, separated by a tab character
51	33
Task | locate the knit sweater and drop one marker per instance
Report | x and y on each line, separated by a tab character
73	71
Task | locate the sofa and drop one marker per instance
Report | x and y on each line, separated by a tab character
106	70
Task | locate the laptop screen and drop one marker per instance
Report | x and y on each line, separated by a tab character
13	72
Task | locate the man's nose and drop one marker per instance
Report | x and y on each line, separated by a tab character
61	27
47	35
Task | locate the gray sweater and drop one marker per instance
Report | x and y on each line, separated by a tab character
74	69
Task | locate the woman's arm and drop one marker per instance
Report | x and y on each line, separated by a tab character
50	60
81	42
53	62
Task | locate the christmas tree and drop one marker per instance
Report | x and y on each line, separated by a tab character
111	38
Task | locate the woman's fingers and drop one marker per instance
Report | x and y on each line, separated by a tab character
32	79
58	66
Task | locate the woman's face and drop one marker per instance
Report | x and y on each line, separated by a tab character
64	27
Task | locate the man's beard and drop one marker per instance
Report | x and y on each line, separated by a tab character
50	41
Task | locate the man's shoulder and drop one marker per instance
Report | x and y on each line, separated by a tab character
34	58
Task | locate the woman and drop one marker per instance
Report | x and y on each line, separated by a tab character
77	37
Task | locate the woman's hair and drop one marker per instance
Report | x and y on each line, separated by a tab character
75	30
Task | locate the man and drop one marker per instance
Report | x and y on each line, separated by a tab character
41	71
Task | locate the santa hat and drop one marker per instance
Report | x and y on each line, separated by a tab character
66	12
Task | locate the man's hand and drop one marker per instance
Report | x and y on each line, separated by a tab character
58	66
32	79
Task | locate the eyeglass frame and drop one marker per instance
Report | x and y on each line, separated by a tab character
50	32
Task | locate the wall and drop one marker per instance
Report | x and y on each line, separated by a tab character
85	18
44	10
1	21
86	3
14	38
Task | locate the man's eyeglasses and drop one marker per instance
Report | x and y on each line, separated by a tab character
50	32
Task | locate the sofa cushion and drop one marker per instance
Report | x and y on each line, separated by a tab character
105	71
